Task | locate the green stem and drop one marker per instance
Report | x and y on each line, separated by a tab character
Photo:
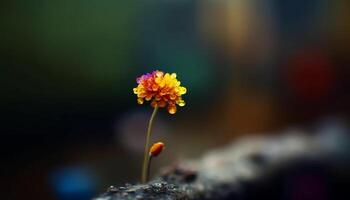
145	165
149	166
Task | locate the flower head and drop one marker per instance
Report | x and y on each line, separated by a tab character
163	89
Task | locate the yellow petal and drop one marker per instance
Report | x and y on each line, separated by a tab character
162	83
181	103
158	80
140	101
167	76
159	73
183	90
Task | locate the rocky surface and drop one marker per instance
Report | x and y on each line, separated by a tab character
246	169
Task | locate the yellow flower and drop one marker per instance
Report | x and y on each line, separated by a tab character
163	89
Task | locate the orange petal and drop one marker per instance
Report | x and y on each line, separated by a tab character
173	97
162	104
148	97
158	97
154	103
172	109
155	87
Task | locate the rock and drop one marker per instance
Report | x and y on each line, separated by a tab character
246	169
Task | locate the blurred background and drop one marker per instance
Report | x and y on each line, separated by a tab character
70	124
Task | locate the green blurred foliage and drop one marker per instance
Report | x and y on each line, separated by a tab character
65	48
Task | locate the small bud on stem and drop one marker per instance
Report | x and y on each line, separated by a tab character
154	151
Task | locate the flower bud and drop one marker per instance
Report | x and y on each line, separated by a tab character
156	149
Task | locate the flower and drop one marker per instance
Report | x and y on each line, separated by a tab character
156	149
163	89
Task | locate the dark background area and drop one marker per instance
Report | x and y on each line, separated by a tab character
70	123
